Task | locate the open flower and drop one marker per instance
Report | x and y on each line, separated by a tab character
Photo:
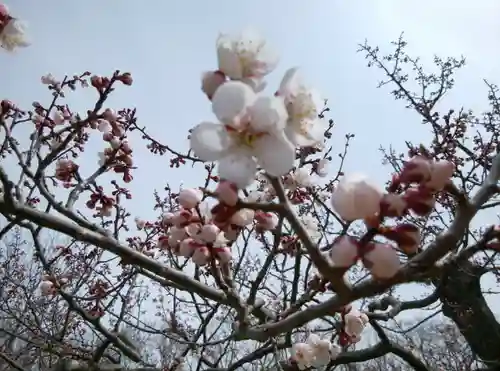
246	57
12	31
303	354
252	135
321	349
304	127
354	323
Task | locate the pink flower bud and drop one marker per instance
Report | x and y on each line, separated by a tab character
103	126
187	247
344	251
381	260
441	173
210	81
416	170
110	115
168	219
223	254
355	197
420	200
201	256
4	11
209	233
107	137
58	118
190	198
126	79
163	243
243	217
227	192
393	205
182	217
266	221
139	223
406	235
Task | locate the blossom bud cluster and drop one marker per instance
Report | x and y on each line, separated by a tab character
198	234
356	197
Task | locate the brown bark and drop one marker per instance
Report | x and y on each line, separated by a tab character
463	302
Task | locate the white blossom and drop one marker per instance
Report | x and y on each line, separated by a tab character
13	35
252	136
246	57
304	127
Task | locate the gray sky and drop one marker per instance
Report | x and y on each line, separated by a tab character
168	44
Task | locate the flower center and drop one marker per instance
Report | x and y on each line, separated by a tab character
244	137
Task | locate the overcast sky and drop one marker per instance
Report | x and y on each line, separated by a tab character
168	44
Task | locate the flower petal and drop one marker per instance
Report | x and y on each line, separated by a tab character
228	60
238	167
290	82
231	101
275	154
209	141
268	114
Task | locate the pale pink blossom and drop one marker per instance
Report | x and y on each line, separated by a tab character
303	354
223	254
415	170
201	256
139	223
394	205
322	167
57	117
182	217
104	126
321	350
209	233
344	252
187	247
227	192
356	197
354	323
168	219
190	198
243	217
266	221
211	81
382	261
49	79
441	173
110	115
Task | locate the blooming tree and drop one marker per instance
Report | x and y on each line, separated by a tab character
269	259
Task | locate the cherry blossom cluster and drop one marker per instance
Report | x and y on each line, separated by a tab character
12	31
315	352
199	233
413	190
255	130
48	284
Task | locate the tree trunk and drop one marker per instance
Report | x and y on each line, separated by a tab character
463	302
